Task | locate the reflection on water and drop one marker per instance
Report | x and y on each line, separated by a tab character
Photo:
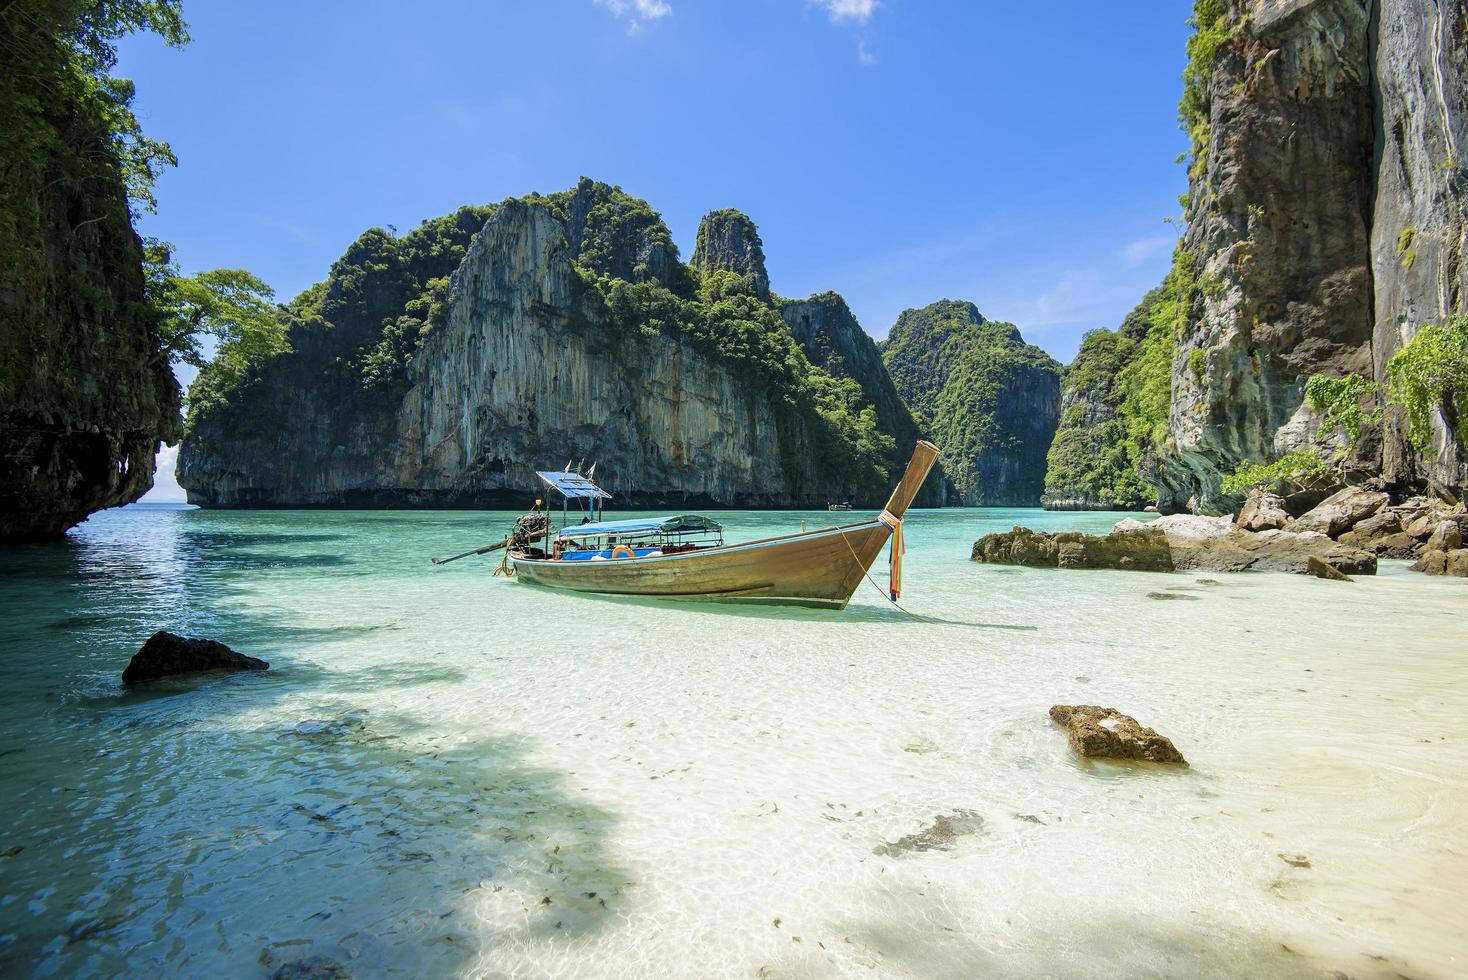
449	773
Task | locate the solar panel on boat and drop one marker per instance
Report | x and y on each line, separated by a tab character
573	486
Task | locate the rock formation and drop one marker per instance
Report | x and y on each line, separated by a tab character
442	368
1326	223
989	400
167	654
86	396
829	334
729	242
1093	463
1181	542
1105	733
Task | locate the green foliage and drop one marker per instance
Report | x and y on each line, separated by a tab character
231	306
1197	365
1212	29
1341	400
1296	470
60	107
1430	376
969	376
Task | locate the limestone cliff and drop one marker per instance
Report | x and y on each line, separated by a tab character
1325	225
1092	463
729	242
86	396
830	335
990	400
566	330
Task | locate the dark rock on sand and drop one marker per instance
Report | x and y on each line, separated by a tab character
946	829
166	654
1105	733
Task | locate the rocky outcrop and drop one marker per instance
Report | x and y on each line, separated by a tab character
86	395
1181	542
1139	549
1341	511
1263	511
1105	733
990	401
829	334
479	356
729	242
168	654
1325	226
1092	464
1419	207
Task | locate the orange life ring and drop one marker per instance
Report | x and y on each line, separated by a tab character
622	551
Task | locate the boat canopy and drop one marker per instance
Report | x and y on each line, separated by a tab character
677	524
572	486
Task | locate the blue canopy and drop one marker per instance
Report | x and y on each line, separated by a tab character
643	525
572	485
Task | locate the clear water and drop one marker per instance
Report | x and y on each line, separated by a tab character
449	773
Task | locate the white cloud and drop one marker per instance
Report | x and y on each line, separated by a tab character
1139	251
856	10
636	12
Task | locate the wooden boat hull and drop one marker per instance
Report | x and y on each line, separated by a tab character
813	568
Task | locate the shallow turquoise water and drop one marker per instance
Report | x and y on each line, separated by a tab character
449	773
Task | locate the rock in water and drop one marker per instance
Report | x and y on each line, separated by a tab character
1317	566
1444	554
1105	733
1182	542
1263	511
166	654
311	968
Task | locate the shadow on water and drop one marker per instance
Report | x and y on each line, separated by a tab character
349	836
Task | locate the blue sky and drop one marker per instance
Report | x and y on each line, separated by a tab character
898	151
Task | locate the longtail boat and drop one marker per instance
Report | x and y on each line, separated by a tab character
685	556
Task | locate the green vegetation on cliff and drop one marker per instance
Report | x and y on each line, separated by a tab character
989	399
356	335
1430	376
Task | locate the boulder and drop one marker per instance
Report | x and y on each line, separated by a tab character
1445	537
166	654
1316	566
1262	511
1180	542
1214	544
1105	733
1434	562
1140	549
1341	511
1383	534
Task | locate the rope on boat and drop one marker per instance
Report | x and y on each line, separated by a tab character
868	576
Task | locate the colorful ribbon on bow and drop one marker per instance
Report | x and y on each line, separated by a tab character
894	560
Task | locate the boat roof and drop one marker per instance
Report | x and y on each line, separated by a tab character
677	523
572	485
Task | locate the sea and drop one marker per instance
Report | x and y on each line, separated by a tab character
449	773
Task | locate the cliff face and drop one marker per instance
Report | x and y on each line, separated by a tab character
86	395
990	400
729	242
1419	214
830	335
568	330
1327	155
1092	464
